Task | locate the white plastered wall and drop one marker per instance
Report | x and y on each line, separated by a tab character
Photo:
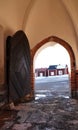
50	18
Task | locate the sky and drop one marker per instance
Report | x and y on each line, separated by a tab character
52	55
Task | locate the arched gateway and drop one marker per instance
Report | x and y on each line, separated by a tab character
72	60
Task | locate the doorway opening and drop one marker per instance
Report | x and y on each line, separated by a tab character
71	67
52	68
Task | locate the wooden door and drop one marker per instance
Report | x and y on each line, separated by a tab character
19	67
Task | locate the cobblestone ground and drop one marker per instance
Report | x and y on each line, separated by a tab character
43	114
47	112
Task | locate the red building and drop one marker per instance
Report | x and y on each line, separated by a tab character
41	72
51	71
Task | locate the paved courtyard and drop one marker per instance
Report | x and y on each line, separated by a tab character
53	86
52	109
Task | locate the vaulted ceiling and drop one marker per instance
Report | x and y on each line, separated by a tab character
40	18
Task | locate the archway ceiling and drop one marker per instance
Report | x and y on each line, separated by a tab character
14	14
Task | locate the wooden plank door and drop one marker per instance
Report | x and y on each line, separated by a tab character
19	67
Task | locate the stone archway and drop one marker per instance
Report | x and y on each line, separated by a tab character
72	61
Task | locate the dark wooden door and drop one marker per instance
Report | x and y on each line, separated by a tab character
8	46
19	67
